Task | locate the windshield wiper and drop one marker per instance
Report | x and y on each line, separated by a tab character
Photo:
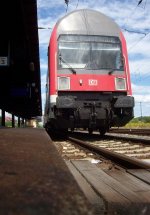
111	71
69	66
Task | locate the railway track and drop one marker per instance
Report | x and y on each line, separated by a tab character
128	151
119	152
125	153
112	181
132	131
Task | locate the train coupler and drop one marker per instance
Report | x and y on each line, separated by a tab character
93	116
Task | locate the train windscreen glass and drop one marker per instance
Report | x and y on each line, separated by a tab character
90	52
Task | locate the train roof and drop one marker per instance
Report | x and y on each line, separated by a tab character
87	22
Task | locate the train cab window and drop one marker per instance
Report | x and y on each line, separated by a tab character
90	52
75	54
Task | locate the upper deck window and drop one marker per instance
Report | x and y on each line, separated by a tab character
90	52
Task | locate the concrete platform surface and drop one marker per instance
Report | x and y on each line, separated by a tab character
34	180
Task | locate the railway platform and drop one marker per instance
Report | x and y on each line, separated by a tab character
34	179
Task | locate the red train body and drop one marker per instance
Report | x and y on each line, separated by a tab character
88	82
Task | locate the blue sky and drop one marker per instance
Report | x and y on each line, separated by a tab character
133	19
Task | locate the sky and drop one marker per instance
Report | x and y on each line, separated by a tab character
132	16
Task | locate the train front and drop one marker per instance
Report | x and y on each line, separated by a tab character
89	74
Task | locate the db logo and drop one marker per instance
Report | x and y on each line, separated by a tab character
92	82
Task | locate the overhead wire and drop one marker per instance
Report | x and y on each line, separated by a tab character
130	16
67	3
145	33
41	28
77	4
146	75
134	31
138	41
140	2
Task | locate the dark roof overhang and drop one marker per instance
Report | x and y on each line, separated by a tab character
20	84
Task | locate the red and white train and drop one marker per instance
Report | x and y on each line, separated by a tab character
88	82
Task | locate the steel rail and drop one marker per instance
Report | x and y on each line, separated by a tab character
131	131
120	159
142	139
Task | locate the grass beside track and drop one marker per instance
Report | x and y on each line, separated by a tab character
137	125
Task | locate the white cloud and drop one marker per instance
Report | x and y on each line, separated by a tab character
43	64
141	90
43	101
142	100
43	81
44	4
44	36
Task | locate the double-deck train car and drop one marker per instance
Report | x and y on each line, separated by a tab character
88	82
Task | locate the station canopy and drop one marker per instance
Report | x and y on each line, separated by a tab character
20	84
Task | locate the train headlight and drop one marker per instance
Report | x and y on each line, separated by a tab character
120	83
63	83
